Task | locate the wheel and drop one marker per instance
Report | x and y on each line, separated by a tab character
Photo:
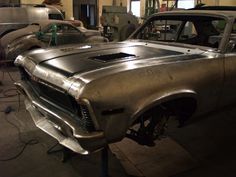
149	127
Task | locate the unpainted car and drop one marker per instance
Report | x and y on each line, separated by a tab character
14	18
45	34
89	96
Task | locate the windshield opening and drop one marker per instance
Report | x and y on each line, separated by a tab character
195	30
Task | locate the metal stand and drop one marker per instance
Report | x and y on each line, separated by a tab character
66	153
104	163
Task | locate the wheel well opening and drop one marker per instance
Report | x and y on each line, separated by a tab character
181	108
34	47
152	124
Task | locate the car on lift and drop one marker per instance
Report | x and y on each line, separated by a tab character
45	34
178	64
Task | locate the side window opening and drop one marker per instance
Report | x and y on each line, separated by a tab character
205	33
189	32
234	28
160	30
232	38
69	29
55	16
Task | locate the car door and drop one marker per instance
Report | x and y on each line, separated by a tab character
46	36
229	89
68	34
61	34
209	71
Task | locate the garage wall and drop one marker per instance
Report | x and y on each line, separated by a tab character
68	4
103	3
31	1
220	2
109	3
228	2
214	2
211	2
68	8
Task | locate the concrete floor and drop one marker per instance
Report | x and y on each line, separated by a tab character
206	148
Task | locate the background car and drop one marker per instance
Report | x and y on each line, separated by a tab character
45	34
13	18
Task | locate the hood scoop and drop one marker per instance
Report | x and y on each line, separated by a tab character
113	57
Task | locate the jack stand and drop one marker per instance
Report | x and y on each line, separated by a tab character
66	153
104	159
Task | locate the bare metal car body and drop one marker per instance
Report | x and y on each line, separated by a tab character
13	18
19	41
89	96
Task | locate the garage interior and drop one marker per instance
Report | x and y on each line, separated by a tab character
205	148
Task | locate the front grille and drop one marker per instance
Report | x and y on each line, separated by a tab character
60	100
86	120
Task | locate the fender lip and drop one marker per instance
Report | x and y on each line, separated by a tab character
166	97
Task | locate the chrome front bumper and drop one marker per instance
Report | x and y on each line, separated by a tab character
81	142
